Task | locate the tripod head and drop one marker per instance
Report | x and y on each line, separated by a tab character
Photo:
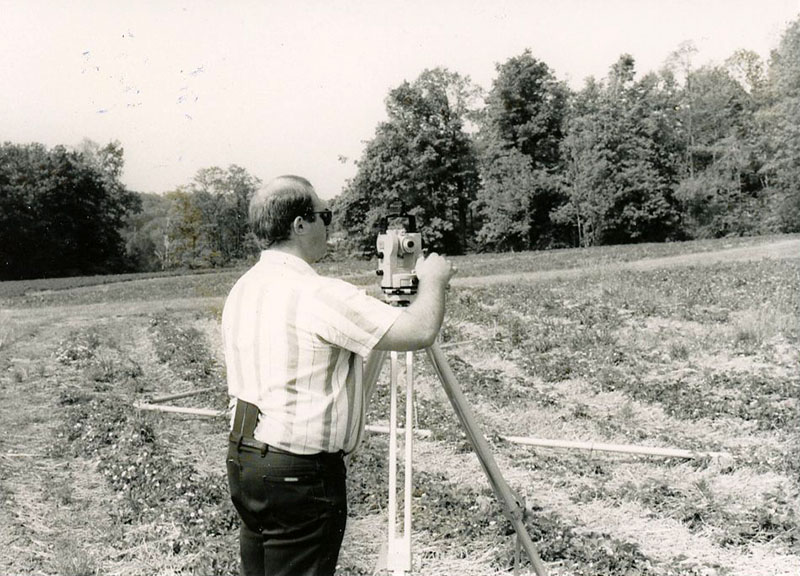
398	249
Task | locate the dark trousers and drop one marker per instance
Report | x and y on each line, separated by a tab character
293	511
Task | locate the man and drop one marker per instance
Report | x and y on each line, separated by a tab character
291	339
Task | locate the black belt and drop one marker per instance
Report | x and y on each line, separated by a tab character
253	445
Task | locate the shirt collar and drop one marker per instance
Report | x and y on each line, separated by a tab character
279	258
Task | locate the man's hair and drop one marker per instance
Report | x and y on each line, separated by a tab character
275	206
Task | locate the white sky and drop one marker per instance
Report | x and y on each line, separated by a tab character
290	87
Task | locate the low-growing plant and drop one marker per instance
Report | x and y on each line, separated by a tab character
7	336
690	353
80	346
773	519
678	351
184	349
18	375
71	559
153	486
452	514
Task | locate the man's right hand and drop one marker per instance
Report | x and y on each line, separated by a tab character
435	270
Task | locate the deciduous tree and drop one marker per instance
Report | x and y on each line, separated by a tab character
619	176
780	121
421	156
524	116
60	214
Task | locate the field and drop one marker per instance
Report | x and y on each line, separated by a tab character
686	345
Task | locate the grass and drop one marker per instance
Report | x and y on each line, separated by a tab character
701	357
216	283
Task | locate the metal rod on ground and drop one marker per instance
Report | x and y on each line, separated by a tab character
514	511
621	448
177	395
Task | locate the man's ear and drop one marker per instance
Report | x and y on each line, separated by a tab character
299	226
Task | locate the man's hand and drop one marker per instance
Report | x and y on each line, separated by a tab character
434	269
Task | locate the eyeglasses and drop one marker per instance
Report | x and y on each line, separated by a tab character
326	216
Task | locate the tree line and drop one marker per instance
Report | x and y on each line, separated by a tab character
681	153
65	212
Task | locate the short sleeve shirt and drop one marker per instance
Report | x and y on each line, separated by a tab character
292	340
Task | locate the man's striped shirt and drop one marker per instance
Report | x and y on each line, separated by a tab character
291	338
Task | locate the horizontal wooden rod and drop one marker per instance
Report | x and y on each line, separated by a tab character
177	395
422	433
541	442
179	409
455	344
621	448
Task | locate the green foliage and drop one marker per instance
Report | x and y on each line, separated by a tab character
504	202
420	156
722	193
151	484
781	136
605	330
519	140
617	148
525	110
184	349
774	519
189	512
60	211
144	233
682	153
206	221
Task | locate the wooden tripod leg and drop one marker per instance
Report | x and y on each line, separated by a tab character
512	507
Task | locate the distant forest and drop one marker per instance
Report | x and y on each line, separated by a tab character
685	152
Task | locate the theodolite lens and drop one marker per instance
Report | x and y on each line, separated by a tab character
407	245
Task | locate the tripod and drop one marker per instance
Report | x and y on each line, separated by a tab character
398	250
399	548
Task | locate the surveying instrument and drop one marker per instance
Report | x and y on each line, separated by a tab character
398	249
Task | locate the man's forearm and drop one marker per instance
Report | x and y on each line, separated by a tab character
428	310
419	324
